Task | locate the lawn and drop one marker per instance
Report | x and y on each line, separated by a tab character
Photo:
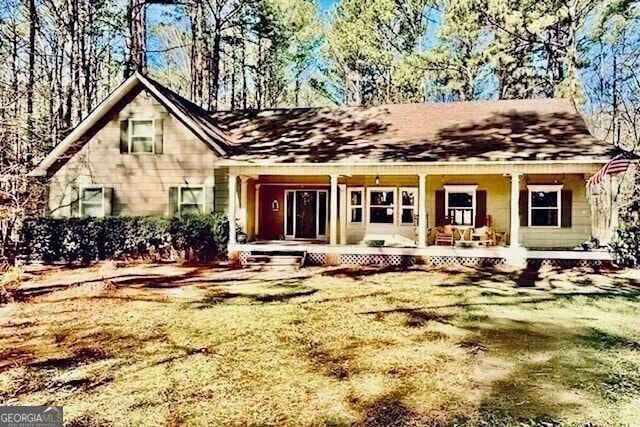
169	345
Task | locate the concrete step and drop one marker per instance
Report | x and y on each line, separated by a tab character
279	260
275	259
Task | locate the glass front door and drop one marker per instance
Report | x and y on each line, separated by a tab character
306	214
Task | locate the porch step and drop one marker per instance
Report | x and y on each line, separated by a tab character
275	259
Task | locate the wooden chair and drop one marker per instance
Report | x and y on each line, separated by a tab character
483	236
444	235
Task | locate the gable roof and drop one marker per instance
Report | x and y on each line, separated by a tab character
476	131
196	119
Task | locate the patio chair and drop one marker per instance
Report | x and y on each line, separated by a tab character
483	236
444	235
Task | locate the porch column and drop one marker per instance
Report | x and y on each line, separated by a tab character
256	214
233	187
343	214
515	209
422	210
333	211
244	198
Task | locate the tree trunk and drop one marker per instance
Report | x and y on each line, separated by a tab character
135	38
215	63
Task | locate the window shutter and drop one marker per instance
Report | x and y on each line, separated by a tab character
75	202
440	221
158	136
124	136
209	200
524	208
566	197
481	208
108	201
173	201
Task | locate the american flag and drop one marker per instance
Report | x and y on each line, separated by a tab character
618	164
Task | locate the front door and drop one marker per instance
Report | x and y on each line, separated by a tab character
306	214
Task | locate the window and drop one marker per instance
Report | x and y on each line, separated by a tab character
356	205
92	202
381	205
544	205
408	200
460	204
191	200
141	136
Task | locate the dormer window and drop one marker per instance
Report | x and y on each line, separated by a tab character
141	136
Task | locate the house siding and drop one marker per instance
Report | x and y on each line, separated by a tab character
140	182
565	237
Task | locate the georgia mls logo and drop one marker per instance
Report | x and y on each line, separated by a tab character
30	416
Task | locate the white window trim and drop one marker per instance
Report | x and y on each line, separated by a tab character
549	188
153	135
82	203
294	213
394	206
204	196
414	190
461	188
361	206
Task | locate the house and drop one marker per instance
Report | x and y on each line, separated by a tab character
327	180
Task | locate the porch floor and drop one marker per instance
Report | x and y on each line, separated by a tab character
433	250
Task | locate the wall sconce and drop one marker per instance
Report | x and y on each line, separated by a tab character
275	205
377	180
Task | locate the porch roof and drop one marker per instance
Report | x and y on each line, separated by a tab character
479	131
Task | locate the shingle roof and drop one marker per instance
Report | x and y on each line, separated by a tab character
199	116
514	130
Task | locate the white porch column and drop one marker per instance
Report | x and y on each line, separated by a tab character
256	213
514	233
233	187
244	197
422	210
333	211
343	214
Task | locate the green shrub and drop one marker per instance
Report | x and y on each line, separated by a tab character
625	245
193	237
199	237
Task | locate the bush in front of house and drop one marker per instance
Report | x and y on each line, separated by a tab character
625	245
200	237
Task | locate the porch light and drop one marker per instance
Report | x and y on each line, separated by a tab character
377	180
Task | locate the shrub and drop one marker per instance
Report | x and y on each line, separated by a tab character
194	237
625	245
199	237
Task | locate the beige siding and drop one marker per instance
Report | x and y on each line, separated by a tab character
357	232
580	229
140	182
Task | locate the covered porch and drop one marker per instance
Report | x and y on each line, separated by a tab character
404	207
386	210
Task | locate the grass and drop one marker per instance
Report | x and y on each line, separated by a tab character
166	345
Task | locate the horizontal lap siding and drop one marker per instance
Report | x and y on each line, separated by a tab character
221	189
498	190
140	182
357	232
498	197
580	229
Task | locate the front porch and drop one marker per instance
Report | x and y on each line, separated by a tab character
335	217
